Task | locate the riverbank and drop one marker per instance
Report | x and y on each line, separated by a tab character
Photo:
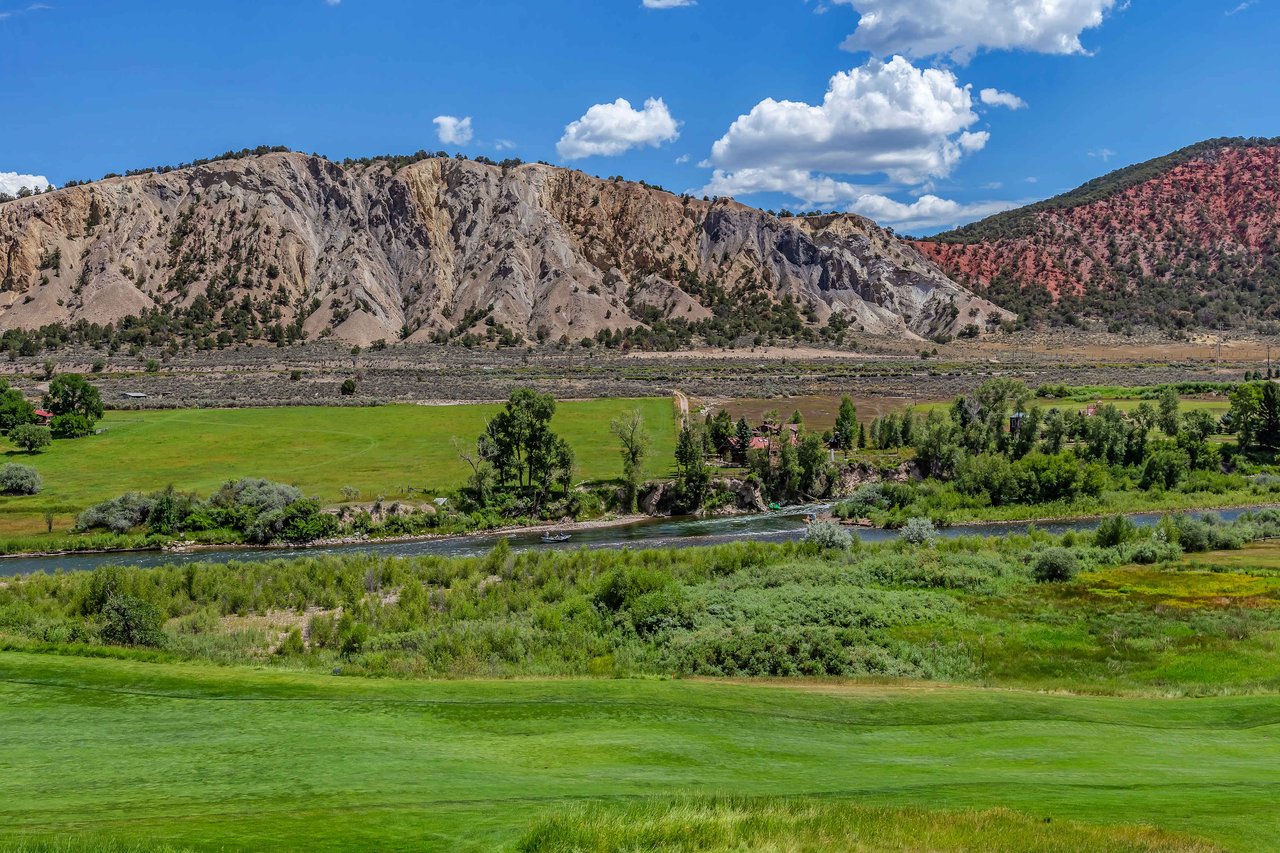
1195	502
944	513
997	519
644	531
348	541
187	547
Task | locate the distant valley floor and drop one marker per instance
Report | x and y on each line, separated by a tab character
313	374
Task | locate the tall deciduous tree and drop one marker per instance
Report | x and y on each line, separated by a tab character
719	431
1246	410
76	405
1167	417
1269	416
517	431
815	468
846	432
634	440
15	410
524	450
693	477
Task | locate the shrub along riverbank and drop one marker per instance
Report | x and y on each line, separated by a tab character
1025	609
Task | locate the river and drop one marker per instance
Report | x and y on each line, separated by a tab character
786	525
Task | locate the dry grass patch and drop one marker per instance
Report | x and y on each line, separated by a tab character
1185	588
818	826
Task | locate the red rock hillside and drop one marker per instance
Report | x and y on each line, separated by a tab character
1188	240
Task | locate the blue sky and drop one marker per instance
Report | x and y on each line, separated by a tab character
722	96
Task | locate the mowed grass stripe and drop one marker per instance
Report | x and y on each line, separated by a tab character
908	704
392	773
379	450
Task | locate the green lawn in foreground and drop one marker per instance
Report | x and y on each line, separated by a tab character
225	758
380	451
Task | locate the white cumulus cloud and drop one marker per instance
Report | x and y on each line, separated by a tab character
668	4
886	118
961	28
11	182
928	212
996	98
453	130
607	130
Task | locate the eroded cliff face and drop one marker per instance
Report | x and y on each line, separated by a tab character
1202	227
370	252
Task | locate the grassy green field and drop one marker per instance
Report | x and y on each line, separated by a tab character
380	451
220	758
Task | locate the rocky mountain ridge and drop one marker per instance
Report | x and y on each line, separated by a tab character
285	246
1188	240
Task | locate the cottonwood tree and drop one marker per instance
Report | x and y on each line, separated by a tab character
76	405
1167	417
1246	405
692	476
1255	416
937	445
1193	439
993	401
719	429
524	451
15	409
634	439
815	468
480	484
551	464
